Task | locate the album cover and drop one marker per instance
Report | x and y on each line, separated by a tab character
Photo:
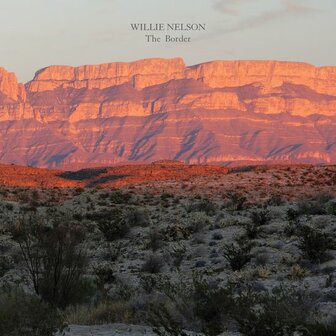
167	167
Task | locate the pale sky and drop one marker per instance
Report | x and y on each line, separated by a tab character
38	33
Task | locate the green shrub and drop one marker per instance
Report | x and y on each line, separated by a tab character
178	254
260	218
54	257
113	225
236	202
291	229
321	329
155	241
164	323
293	225
136	217
118	197
276	200
212	304
331	208
203	205
79	190
238	255
201	306
105	273
104	312
252	230
113	251
148	282
198	221
315	243
177	232
6	264
153	264
292	215
207	206
281	312
26	315
191	305
9	207
315	205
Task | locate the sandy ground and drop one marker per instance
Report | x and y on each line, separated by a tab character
109	330
118	330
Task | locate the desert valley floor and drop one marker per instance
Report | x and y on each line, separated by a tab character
168	249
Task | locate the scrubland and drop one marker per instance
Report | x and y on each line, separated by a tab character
250	253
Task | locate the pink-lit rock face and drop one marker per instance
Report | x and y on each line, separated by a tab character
10	88
269	73
139	74
216	74
154	109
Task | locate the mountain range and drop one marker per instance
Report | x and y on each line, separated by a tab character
219	112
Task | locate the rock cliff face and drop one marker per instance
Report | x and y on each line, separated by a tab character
154	109
9	86
140	74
